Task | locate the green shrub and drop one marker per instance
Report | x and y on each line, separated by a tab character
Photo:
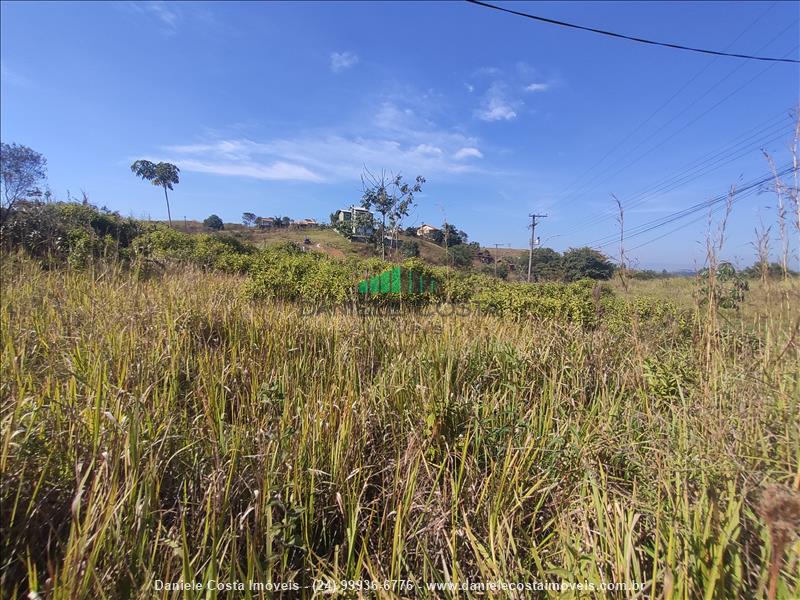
287	273
66	231
574	302
208	251
728	288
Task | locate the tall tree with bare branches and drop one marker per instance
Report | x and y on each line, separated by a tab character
390	196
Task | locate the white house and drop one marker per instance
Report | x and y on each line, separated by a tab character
426	230
359	220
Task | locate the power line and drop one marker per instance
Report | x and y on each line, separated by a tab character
766	132
693	171
671	218
631	38
684	127
673	96
605	174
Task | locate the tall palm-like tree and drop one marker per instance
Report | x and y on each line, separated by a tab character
162	174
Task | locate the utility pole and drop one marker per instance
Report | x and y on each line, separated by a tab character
496	248
533	240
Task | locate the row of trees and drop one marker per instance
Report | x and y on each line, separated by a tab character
251	220
449	235
572	265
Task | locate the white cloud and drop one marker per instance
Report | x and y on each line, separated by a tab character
395	138
428	149
166	13
497	110
342	60
497	105
277	170
525	70
392	117
467	153
537	87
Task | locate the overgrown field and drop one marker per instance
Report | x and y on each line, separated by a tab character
174	427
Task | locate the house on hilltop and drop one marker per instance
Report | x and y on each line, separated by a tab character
265	222
356	220
305	223
426	230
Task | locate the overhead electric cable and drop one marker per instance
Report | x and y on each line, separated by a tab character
700	169
677	93
752	140
671	218
605	174
632	38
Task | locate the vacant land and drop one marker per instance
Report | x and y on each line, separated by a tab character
168	429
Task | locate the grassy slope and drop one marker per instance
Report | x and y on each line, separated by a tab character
323	240
168	429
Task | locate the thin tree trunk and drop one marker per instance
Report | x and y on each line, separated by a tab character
383	238
169	215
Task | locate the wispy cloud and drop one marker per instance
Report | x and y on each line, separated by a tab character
497	106
277	170
395	137
486	72
537	87
343	60
463	153
166	14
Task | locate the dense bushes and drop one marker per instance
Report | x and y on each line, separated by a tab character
574	302
288	273
75	234
208	251
60	232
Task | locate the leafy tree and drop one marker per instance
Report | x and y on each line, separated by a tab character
586	263
437	237
249	219
462	255
21	172
162	174
501	271
214	222
285	221
768	270
409	249
546	264
453	235
410	231
726	289
391	197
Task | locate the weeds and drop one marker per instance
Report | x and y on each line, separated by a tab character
171	429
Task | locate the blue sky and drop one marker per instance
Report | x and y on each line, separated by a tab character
275	108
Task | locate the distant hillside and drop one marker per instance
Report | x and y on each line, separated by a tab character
325	239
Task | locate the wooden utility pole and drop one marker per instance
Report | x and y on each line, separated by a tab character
533	240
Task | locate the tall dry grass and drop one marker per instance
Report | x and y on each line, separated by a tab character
170	429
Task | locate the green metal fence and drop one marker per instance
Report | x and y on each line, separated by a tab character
398	280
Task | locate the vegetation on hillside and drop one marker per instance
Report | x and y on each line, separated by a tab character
171	428
171	410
